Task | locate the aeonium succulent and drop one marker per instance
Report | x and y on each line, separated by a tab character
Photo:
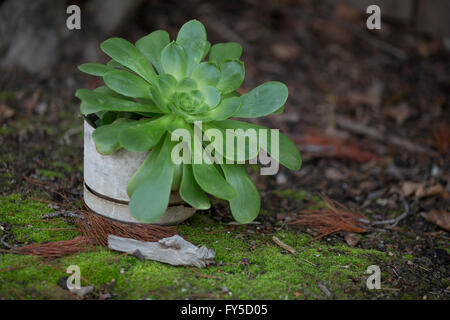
158	86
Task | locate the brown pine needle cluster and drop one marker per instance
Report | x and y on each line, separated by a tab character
335	218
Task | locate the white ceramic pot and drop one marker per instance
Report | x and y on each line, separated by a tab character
105	182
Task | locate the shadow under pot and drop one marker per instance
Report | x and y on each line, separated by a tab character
105	184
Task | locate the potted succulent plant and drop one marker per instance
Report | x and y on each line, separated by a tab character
154	90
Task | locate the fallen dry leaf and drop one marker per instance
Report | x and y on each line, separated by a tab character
351	238
317	144
399	113
441	138
440	218
286	50
410	188
424	192
372	96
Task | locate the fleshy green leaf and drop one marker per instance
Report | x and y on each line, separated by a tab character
211	181
95	101
192	37
128	55
142	173
150	199
246	205
106	138
225	51
191	192
279	110
245	141
263	100
127	84
232	75
95	69
186	84
206	50
174	60
177	175
289	155
206	74
223	111
109	92
166	84
113	63
211	95
208	177
107	117
145	134
163	90
152	45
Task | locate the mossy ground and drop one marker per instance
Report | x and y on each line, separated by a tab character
249	264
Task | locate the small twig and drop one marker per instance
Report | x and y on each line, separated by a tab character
359	128
392	222
57	229
325	290
313	264
284	245
49	202
380	44
71	214
206	276
422	267
235	223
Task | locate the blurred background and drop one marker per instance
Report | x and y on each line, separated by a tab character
368	109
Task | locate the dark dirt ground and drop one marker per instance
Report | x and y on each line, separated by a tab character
372	124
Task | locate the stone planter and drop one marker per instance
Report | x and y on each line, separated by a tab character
105	182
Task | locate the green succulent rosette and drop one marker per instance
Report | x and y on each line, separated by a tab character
157	86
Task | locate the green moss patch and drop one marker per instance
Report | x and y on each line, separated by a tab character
21	219
249	265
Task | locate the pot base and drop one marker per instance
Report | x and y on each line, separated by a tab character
118	210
